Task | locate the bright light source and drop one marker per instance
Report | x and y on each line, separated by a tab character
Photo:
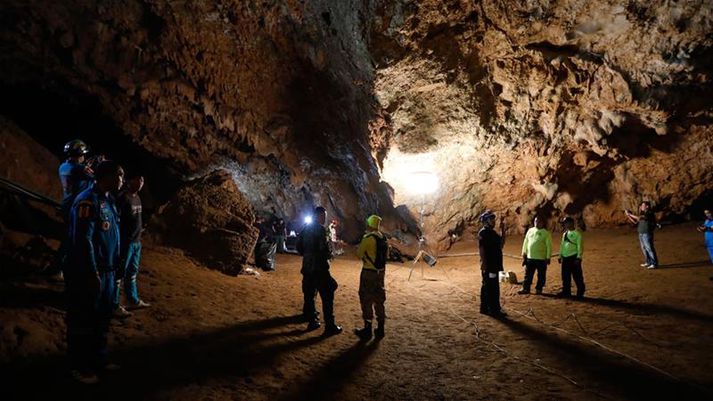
308	219
421	182
410	174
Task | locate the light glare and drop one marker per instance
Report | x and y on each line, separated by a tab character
421	182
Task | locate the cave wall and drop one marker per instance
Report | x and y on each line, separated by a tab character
560	107
29	164
282	88
574	107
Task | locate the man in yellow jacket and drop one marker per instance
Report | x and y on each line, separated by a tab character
372	295
536	255
571	250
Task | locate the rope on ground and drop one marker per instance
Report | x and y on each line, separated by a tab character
599	344
508	354
530	314
459	255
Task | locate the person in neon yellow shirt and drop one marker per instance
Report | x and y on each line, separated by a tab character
372	251
571	251
536	255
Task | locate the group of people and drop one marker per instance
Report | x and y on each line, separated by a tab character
537	254
314	244
101	251
272	239
536	257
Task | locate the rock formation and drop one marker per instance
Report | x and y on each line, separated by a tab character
578	107
575	107
211	220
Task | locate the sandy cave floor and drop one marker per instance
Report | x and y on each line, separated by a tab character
214	337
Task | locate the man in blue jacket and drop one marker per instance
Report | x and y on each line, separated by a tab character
707	229
89	274
75	175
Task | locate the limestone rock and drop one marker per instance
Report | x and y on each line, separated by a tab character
211	220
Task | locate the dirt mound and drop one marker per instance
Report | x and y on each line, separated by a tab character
211	220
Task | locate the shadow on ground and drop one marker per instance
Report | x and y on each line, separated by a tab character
643	308
608	373
236	352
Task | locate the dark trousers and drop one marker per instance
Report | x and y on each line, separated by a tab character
63	250
490	294
572	268
265	255
88	317
324	284
372	295
531	266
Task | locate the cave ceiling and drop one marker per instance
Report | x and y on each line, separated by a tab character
578	107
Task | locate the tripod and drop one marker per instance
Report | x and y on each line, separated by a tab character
422	254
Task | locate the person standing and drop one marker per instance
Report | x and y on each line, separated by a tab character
313	245
334	238
89	276
536	254
279	233
130	209
646	224
372	251
75	176
571	251
490	247
265	247
707	229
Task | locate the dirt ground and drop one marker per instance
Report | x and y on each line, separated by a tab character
638	335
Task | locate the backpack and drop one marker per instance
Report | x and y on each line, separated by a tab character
382	250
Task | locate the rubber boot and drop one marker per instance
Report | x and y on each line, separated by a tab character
332	330
379	332
364	333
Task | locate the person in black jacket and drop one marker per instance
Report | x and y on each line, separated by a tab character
490	245
313	245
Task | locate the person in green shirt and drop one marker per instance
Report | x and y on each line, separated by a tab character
571	250
536	255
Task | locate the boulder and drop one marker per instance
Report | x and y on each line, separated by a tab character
211	220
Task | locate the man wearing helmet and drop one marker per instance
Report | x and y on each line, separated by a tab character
571	250
313	245
490	247
75	176
372	251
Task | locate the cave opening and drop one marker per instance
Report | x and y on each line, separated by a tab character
55	114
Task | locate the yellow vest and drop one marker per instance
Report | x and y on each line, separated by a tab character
367	249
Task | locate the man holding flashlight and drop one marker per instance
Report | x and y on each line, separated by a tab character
313	245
